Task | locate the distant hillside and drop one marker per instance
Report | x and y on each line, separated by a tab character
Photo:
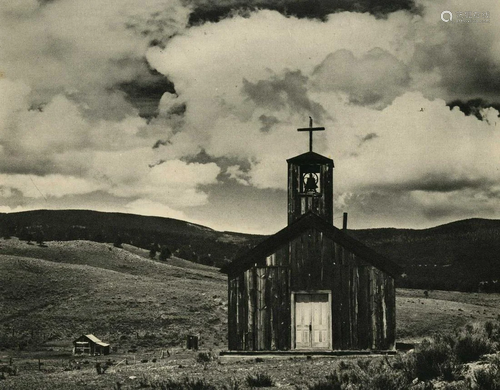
70	288
463	255
187	240
456	256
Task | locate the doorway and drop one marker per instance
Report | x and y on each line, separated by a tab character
312	320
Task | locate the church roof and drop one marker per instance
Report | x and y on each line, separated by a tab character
310	157
308	221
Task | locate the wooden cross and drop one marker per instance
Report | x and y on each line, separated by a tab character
310	129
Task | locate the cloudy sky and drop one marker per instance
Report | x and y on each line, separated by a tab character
189	108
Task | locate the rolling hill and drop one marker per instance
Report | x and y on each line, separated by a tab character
463	255
78	287
190	241
456	256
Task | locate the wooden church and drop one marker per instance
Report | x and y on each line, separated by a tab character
310	286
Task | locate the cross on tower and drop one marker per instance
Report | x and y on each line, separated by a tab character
310	129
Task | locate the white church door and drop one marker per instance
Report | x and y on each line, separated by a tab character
312	321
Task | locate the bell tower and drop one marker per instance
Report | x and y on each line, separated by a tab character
310	182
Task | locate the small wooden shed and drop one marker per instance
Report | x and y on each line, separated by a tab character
90	345
311	286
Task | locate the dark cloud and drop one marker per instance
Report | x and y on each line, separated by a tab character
176	110
204	158
440	183
464	62
215	10
374	79
267	121
473	106
145	92
368	137
290	92
161	142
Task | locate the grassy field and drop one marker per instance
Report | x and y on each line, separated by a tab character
142	306
418	317
70	288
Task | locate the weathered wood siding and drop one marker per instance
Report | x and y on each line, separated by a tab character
363	297
259	309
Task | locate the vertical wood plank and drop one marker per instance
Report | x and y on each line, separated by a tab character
364	318
373	319
345	304
354	307
383	311
242	303
337	301
391	312
269	309
232	315
263	310
250	286
377	309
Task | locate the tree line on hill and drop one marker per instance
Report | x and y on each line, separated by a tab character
200	245
463	256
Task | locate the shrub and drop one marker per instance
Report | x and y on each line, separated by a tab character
232	385
388	380
492	329
204	357
462	385
259	380
374	375
429	359
197	384
471	343
422	386
326	385
181	384
487	378
165	253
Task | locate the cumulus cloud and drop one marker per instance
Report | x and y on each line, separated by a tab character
174	182
457	60
435	145
253	80
47	186
235	92
244	71
236	173
375	79
69	125
83	47
289	92
62	64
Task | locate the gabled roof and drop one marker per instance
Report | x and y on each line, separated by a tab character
305	222
310	157
96	340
